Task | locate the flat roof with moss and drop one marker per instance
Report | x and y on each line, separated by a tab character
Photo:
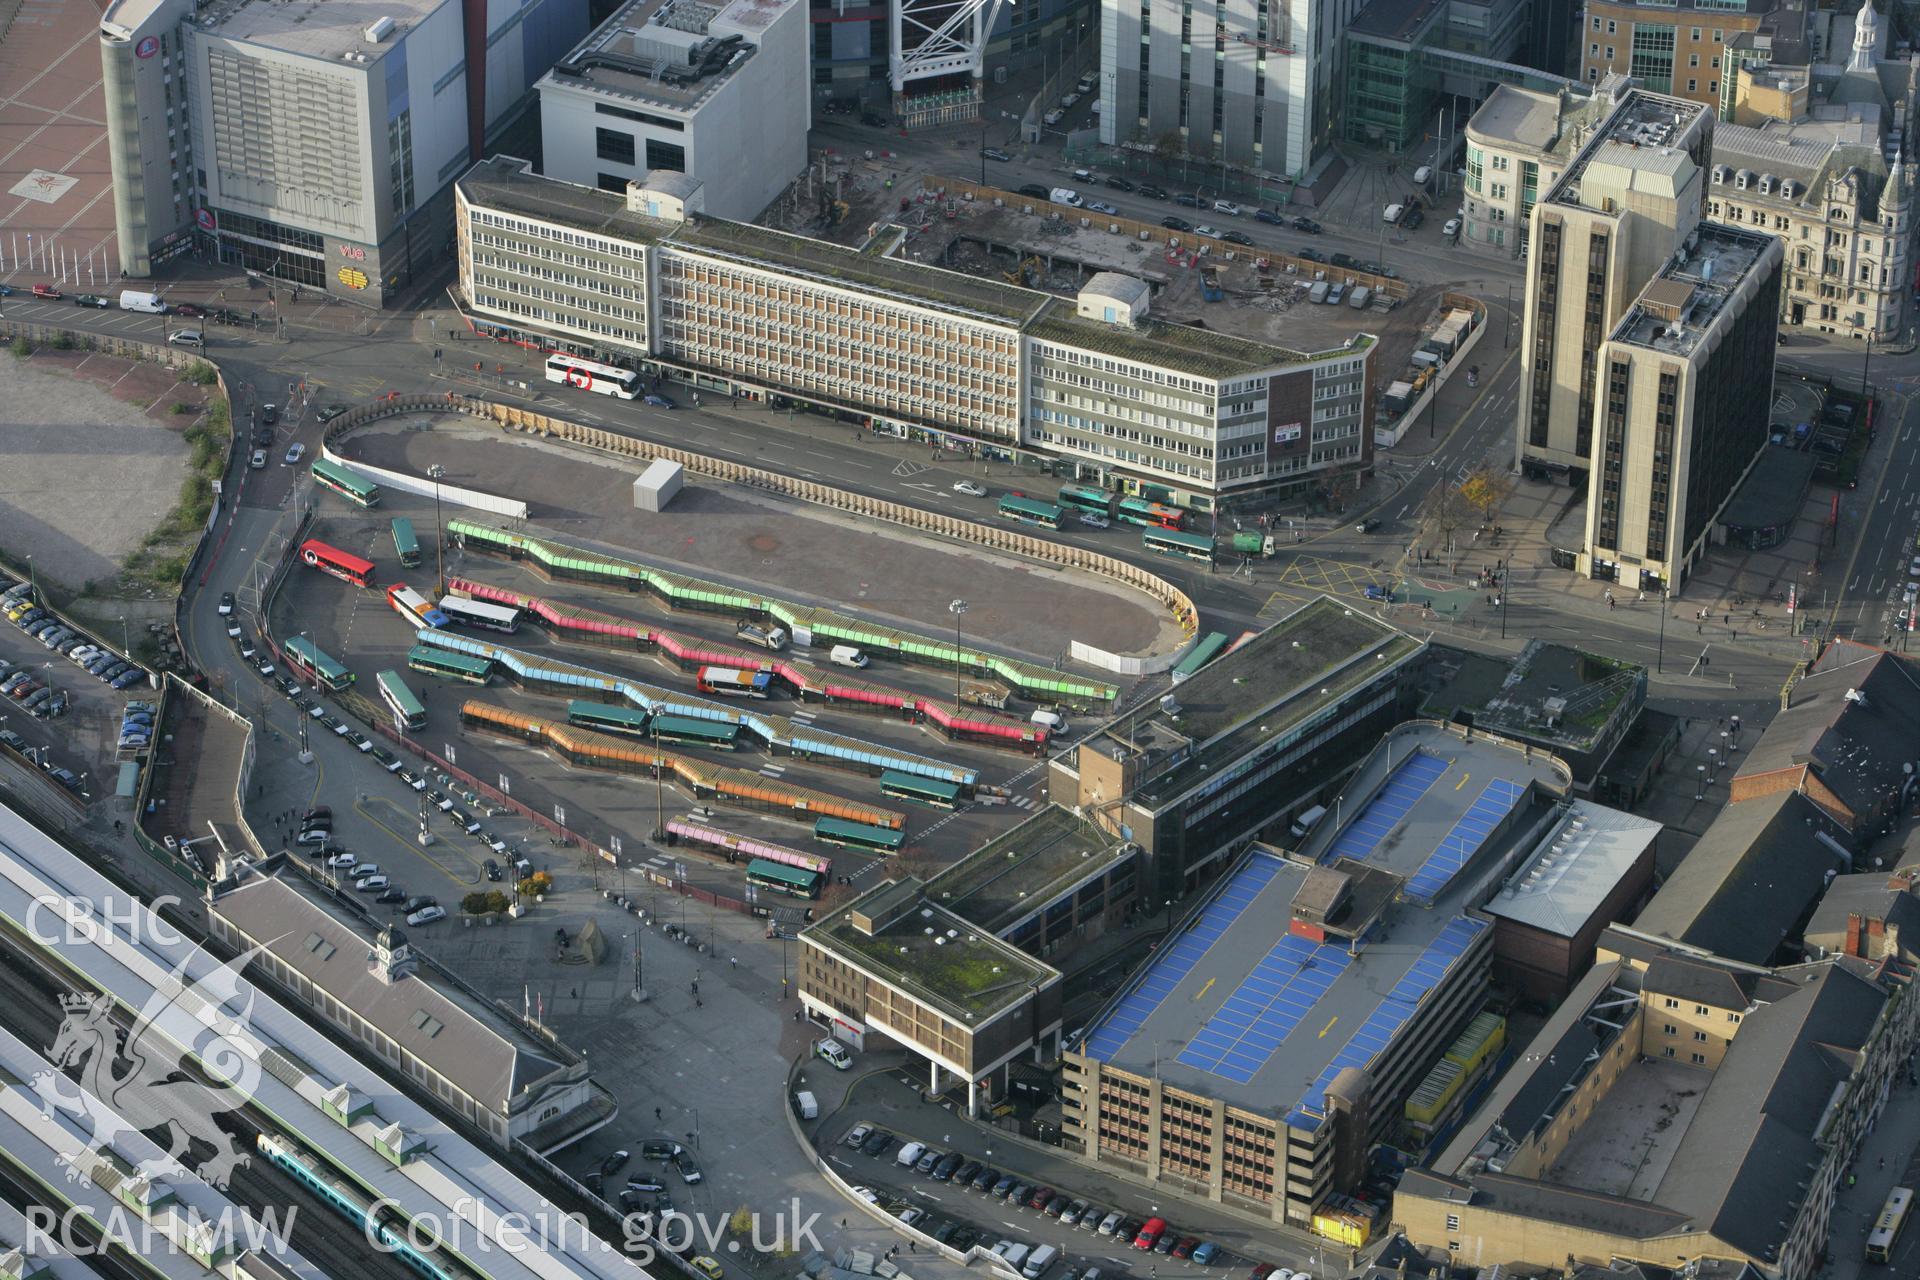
1307	661
894	933
1027	869
910	282
1204	353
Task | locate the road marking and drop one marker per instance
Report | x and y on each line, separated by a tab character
1330	1021
1203	990
1462	782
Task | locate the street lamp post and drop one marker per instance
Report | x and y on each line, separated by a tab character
958	609
1660	654
439	534
126	644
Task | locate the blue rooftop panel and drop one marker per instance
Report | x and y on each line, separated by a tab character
1386	807
1459	845
1175	962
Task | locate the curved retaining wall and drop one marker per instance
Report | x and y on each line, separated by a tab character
1063	555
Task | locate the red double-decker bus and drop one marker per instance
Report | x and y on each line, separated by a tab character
347	568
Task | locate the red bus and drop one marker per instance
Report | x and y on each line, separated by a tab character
332	560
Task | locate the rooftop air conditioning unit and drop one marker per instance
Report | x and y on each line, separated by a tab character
379	30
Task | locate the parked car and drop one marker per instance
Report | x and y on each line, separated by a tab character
1269	217
854	1137
660	1149
1227	207
1187	199
269	414
929	1157
1152	192
615	1162
47	291
426	915
984	1179
1119	184
93	300
1303	223
1176	224
947	1166
1207	229
1205	1252
1101	206
189	309
1110	1223
392	893
226	603
331	412
1035	190
995	153
877	1143
1236	237
689	1168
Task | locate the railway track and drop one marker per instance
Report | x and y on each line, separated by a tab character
30	991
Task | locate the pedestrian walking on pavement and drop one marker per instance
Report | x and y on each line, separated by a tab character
733	962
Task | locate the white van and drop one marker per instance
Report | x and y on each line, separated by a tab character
1052	721
1392	214
909	1155
1307	821
1038	1261
845	655
834	1052
806	1104
1012	1254
134	300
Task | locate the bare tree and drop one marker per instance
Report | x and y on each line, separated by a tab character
1485	488
1445	512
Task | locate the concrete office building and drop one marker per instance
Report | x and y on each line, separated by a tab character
1686	382
1173	412
1676	1106
1052	883
897	964
1264	1049
1252	739
1246	83
1673	46
717	91
316	144
1627	200
1519	142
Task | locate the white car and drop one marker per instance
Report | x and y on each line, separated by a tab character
339	860
1094	520
1227	207
969	488
868	1194
1204	230
858	1134
427	915
1452	229
295	452
1913	569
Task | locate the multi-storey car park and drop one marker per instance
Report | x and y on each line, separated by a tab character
356	1131
1273	1039
1097	384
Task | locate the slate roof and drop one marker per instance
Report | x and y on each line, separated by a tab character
1853	747
1873	895
1749	879
1743	1167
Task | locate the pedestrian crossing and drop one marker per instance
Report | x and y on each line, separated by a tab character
772	770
